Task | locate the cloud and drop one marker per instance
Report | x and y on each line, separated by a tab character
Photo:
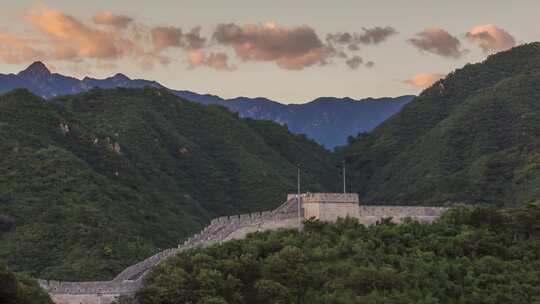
108	37
491	38
374	35
422	81
165	37
196	58
110	19
193	39
72	39
354	62
217	61
17	50
291	48
438	41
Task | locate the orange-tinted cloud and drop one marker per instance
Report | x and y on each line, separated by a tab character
196	58
164	37
72	39
425	80
437	41
15	49
291	48
110	19
107	37
217	61
491	38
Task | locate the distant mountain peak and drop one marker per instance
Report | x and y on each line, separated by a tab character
35	71
120	77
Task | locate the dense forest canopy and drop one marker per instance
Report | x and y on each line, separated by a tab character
471	255
92	183
18	289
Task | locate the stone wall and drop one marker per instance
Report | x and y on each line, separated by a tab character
371	214
326	197
220	230
131	279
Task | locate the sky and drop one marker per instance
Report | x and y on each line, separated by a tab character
289	51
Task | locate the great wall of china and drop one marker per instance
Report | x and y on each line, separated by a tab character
235	227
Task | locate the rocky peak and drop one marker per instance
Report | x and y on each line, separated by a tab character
36	71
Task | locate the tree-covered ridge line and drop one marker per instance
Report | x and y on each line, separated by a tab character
471	255
471	137
327	120
94	182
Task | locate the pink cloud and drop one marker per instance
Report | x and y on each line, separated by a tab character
217	61
165	37
196	58
491	38
72	39
108	37
437	41
110	19
424	80
15	49
291	48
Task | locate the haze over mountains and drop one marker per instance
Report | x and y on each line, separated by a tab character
327	120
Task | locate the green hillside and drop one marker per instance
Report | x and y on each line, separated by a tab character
93	182
472	137
479	255
18	289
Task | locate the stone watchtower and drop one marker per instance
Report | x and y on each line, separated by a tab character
328	207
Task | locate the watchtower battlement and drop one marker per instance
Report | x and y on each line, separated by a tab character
328	207
326	197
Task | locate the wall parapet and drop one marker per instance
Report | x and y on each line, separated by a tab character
326	197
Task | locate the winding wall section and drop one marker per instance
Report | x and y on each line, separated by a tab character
219	230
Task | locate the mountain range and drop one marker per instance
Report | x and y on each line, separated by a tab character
327	120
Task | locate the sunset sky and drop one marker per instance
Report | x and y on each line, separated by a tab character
290	51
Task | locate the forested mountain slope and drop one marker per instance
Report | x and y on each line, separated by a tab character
472	137
93	182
